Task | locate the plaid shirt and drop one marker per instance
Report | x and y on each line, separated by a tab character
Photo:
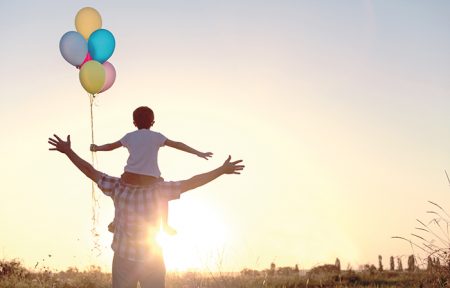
136	215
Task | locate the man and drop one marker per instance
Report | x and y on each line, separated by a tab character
137	256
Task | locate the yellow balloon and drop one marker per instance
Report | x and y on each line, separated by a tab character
87	21
92	76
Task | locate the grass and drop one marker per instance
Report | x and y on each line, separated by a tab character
432	270
12	274
431	240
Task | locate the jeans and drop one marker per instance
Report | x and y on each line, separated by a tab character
149	274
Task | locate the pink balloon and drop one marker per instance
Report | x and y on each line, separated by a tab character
86	59
110	76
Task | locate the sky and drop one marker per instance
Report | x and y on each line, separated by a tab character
338	109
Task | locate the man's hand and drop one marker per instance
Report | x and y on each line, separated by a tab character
228	167
64	147
232	167
93	148
59	144
205	155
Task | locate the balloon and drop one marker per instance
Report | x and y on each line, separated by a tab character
101	45
92	76
86	59
87	21
73	47
110	76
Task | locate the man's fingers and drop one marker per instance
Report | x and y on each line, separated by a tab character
238	168
56	136
234	165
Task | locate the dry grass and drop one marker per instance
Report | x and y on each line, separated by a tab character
430	243
14	275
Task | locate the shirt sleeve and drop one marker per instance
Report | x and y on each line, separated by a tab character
124	140
162	140
107	184
169	190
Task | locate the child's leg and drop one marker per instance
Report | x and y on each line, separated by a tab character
164	212
111	227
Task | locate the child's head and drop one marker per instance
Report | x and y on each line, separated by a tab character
143	117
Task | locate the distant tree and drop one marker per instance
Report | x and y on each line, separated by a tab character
296	270
391	262
272	269
326	269
411	263
437	263
370	268
337	263
380	263
399	264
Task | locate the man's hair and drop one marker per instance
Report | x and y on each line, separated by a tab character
143	117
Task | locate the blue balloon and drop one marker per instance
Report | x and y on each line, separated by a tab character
73	47
101	45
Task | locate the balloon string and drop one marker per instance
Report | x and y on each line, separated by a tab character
95	203
91	100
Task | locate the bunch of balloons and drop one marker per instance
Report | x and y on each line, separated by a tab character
88	48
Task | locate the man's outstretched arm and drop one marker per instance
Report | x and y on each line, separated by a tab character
227	167
64	147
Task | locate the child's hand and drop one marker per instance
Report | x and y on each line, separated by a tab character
93	148
205	155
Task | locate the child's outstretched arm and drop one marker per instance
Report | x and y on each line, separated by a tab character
183	147
106	147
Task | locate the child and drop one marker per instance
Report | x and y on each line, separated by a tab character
142	164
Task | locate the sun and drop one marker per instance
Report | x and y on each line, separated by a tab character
201	236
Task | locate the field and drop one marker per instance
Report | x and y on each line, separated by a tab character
12	274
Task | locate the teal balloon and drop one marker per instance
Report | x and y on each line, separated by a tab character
101	45
73	48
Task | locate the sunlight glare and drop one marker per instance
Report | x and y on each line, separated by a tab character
198	240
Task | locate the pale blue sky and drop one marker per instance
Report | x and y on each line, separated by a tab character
340	110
